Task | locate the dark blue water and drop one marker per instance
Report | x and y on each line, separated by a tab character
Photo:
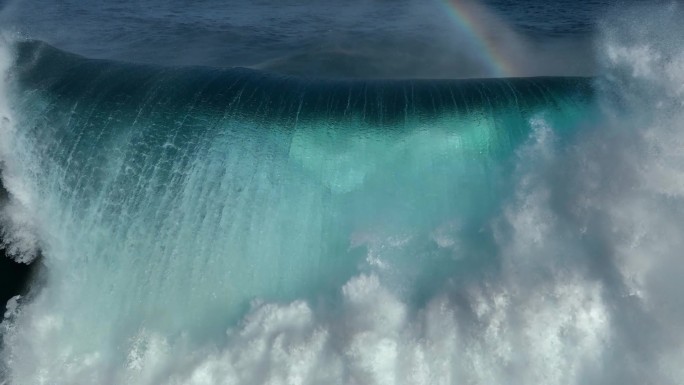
341	192
357	38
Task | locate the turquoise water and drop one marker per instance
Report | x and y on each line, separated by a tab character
168	199
194	190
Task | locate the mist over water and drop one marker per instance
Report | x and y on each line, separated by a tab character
232	226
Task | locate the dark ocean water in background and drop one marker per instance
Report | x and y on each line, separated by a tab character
370	192
378	38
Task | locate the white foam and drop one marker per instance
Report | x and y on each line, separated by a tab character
16	219
550	336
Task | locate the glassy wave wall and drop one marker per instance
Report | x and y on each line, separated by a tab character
168	202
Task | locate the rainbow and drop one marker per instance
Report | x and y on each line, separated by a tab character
463	13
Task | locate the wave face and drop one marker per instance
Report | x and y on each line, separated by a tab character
174	204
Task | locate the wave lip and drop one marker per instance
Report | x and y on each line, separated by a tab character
263	95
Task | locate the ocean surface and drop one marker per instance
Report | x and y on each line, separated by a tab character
352	192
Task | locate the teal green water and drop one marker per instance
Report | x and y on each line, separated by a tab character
169	198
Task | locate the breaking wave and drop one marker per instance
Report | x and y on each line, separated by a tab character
230	226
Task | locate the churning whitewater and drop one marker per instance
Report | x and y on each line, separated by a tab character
232	226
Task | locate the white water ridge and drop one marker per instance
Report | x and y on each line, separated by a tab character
204	226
